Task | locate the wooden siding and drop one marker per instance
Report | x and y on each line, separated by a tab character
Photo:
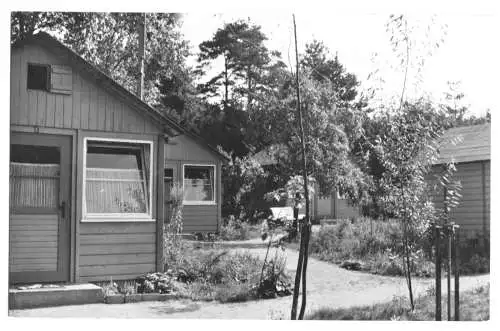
200	218
324	207
472	214
343	210
33	243
87	107
116	250
184	150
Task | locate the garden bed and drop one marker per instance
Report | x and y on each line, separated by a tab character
207	274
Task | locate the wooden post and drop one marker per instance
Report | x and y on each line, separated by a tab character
456	246
449	232
438	272
142	52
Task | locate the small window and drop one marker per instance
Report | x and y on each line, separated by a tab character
38	77
199	184
118	179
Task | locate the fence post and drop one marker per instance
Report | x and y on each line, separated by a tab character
449	234
456	244
438	271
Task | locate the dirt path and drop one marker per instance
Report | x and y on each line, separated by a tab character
327	285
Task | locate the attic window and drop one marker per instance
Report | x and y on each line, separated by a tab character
38	77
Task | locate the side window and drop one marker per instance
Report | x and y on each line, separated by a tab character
199	184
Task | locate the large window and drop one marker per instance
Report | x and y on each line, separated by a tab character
199	184
117	178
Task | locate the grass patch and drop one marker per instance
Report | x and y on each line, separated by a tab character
474	306
376	245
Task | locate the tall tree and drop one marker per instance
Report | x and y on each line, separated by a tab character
241	46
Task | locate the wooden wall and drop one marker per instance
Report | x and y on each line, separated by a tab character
184	150
117	250
473	212
33	242
88	107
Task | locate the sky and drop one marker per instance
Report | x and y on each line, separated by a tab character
468	53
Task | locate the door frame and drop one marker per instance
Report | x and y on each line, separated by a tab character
65	241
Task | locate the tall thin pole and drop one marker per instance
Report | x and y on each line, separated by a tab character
301	264
142	53
438	272
456	245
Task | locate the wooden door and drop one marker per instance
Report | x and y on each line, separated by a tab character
39	222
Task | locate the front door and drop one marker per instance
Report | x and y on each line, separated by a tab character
39	222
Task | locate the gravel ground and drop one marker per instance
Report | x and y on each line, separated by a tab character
327	285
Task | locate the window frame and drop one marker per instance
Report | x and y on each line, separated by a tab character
200	202
117	217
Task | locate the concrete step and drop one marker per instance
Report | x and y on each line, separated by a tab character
26	297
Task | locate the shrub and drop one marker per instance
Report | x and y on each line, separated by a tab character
476	264
376	243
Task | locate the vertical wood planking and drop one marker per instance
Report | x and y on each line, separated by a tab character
118	116
23	91
84	104
101	124
59	114
14	87
92	107
109	112
68	110
32	107
50	110
76	101
42	108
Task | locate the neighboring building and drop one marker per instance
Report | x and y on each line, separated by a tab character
332	207
470	148
90	171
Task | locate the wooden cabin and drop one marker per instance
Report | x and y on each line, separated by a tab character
91	167
469	147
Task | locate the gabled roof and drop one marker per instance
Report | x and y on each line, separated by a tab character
169	125
465	144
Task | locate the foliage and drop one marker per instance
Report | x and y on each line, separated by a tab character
241	45
243	179
223	276
236	229
474	306
172	234
375	244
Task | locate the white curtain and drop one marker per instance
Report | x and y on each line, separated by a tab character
34	185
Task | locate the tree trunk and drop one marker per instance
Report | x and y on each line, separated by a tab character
307	235
226	83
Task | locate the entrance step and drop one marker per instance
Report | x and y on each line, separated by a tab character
26	297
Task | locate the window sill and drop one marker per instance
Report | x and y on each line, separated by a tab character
199	203
117	220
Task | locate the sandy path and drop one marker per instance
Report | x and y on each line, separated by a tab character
328	285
